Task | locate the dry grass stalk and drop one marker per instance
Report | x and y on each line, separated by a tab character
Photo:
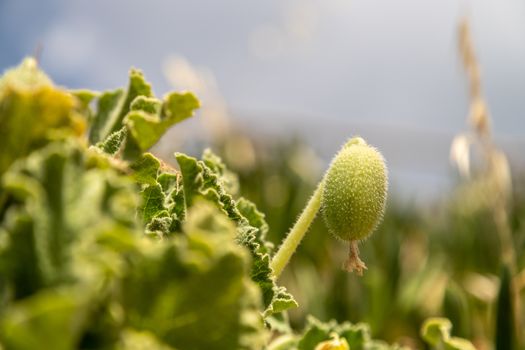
495	172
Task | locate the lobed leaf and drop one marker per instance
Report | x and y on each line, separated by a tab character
134	120
330	335
436	332
200	299
205	178
33	112
158	293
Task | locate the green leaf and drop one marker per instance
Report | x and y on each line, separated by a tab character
84	97
505	326
18	258
357	335
315	333
75	268
283	342
277	297
162	208
114	105
36	321
113	143
281	300
205	178
147	124
335	343
132	121
255	219
436	332
192	291
107	109
227	178
140	340
61	247
83	105
171	184
168	181
330	335
179	106
32	112
152	203
145	104
455	343
61	200
146	169
192	176
26	77
455	306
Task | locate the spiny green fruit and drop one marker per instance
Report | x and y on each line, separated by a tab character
354	191
352	197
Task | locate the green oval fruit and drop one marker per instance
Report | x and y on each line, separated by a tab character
355	190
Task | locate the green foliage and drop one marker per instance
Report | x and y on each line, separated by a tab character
505	321
32	112
104	246
206	178
77	268
330	335
436	332
194	292
426	259
132	121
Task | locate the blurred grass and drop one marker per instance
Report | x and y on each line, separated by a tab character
444	258
432	260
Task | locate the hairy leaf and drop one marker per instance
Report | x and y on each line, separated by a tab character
205	178
200	299
32	112
149	120
331	335
436	332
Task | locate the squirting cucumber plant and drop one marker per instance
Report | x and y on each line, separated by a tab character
352	198
104	246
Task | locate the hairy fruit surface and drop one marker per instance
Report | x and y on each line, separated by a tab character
355	190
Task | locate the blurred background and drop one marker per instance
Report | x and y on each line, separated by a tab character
284	83
326	70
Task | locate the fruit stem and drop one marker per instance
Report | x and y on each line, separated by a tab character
289	245
353	262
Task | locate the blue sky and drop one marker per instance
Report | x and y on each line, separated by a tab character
386	69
